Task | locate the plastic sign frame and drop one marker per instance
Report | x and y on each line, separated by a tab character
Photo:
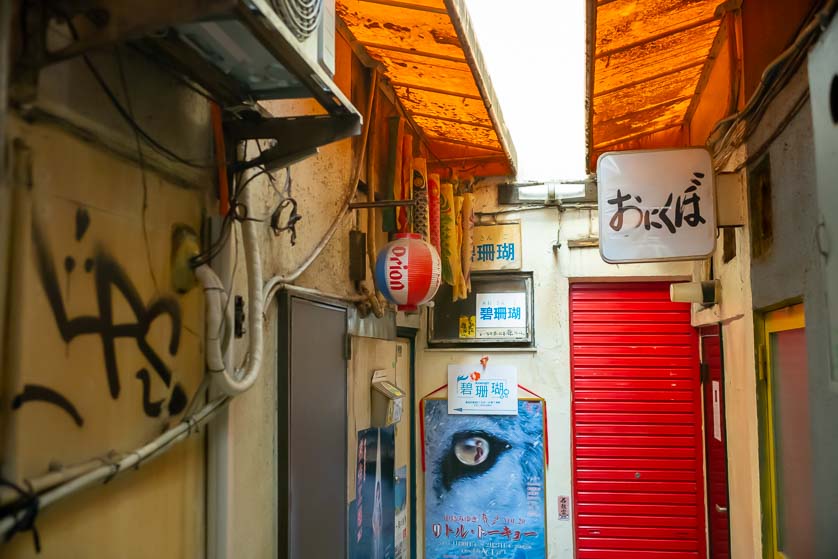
656	205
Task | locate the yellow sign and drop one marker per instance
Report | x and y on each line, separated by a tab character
496	247
468	326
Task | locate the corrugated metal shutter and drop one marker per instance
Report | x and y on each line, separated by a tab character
637	442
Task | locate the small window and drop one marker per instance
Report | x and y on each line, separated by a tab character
547	192
497	313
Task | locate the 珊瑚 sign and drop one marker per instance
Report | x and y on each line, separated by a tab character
496	247
656	205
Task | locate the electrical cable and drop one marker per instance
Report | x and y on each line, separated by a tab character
141	159
126	116
773	79
276	282
106	472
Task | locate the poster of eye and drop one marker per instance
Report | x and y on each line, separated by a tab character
484	483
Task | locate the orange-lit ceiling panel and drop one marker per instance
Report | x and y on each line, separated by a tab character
430	56
648	61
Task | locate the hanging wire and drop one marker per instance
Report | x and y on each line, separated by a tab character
123	112
141	159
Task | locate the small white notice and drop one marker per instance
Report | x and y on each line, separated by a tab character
717	411
501	310
475	390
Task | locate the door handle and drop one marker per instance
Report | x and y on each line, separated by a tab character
721	510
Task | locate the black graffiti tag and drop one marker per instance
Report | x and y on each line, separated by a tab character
109	277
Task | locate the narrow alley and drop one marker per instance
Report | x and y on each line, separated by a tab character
419	279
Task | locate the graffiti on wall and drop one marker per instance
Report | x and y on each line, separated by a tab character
109	281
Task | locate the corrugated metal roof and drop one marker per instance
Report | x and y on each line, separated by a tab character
431	58
648	63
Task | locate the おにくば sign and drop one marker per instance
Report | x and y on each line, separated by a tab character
656	205
490	390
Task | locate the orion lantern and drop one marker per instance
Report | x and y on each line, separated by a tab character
408	271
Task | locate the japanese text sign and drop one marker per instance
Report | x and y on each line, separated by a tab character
496	247
473	389
501	310
656	205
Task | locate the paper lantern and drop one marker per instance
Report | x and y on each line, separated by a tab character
407	271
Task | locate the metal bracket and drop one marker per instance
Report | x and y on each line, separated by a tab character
297	137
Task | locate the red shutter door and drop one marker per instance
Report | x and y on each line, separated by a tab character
636	413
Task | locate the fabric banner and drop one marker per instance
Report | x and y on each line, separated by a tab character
405	190
420	195
450	250
433	211
484	483
468	241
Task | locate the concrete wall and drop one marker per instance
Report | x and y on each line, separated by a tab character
793	269
546	370
86	256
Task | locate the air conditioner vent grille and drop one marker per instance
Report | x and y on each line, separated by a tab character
301	16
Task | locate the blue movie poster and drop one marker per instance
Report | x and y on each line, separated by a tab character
372	514
484	483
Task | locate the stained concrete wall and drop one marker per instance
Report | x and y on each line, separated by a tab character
790	271
90	244
793	269
546	370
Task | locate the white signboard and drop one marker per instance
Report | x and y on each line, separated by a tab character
656	205
823	87
475	390
501	315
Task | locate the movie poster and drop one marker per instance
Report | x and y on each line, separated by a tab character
484	483
372	513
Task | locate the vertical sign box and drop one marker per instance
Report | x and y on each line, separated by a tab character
656	205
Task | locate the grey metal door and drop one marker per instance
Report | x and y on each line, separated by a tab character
312	426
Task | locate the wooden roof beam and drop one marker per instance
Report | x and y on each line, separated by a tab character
658	36
464	143
650	78
454	120
414	52
408	6
609	143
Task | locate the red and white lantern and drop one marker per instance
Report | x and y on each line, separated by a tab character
408	271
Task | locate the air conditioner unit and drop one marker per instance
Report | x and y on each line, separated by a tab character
238	51
272	49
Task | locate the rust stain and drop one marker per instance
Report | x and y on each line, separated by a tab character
639	45
424	60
